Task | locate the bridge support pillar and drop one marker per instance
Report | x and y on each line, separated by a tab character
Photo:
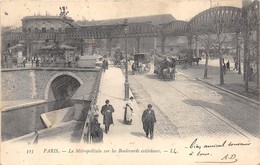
109	46
28	50
163	45
189	54
197	47
238	61
82	47
138	44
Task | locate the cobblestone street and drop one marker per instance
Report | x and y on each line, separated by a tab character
186	108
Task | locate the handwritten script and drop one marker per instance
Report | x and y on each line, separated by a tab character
201	149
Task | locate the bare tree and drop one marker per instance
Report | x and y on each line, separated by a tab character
220	26
206	41
213	34
248	24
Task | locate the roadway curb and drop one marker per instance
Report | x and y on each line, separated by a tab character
221	88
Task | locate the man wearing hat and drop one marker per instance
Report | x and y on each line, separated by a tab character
96	132
107	111
148	119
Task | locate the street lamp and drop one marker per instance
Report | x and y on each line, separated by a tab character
126	61
93	45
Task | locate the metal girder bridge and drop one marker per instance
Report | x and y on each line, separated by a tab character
231	17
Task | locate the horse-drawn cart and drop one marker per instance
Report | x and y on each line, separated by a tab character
164	67
141	63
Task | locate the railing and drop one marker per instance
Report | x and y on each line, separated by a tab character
9	64
35	138
93	109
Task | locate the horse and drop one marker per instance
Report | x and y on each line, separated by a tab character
147	68
167	69
168	74
186	60
196	59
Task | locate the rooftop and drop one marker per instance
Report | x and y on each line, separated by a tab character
154	19
45	17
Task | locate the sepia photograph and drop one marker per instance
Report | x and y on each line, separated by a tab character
127	82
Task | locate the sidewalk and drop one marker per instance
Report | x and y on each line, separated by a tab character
232	80
112	88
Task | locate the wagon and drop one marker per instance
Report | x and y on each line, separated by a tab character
141	63
165	68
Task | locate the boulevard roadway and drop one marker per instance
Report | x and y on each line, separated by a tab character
189	108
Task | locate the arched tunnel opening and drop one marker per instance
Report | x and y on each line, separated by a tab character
64	87
59	109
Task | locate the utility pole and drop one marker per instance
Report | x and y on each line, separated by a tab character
126	61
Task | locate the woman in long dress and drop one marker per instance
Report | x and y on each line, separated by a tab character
128	112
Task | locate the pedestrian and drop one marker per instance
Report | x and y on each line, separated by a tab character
105	65
224	68
24	62
235	66
32	61
148	119
128	112
107	111
133	68
37	62
96	133
70	62
228	66
106	62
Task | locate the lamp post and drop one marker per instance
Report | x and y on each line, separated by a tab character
93	45
126	61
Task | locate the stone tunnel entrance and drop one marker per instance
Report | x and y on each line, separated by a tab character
64	87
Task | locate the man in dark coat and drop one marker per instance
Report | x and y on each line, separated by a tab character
107	111
228	66
105	65
148	119
96	132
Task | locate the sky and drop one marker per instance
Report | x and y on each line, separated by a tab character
12	11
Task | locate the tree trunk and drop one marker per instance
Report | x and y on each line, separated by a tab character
246	64
206	65
258	53
221	76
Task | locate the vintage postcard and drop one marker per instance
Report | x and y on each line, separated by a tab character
112	82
